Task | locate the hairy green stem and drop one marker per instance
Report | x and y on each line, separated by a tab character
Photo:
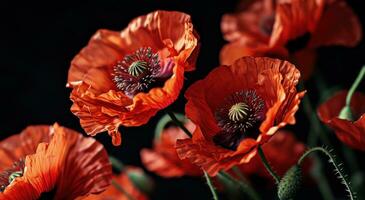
316	132
267	165
211	187
338	169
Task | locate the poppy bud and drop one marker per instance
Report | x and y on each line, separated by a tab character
290	183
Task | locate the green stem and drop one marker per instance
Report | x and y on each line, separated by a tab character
316	127
166	119
355	85
122	190
315	131
239	174
116	163
187	132
179	123
337	166
346	112
211	187
247	189
267	165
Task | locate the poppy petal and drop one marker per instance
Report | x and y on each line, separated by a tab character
97	101
249	23
99	113
211	158
125	182
350	133
99	55
294	19
337	18
282	152
160	98
273	80
87	162
163	159
68	154
20	145
19	190
241	47
160	165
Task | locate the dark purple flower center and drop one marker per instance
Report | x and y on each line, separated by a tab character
138	71
9	175
239	117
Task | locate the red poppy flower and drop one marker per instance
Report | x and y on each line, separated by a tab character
281	28
163	159
352	133
124	181
282	151
244	105
34	169
124	78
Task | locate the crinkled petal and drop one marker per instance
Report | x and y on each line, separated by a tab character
274	81
159	98
96	100
95	62
18	146
212	158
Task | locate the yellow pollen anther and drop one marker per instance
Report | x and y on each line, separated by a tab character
238	112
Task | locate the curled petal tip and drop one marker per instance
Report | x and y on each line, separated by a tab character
116	137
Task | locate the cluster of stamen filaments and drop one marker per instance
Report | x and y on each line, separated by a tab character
239	117
137	71
9	175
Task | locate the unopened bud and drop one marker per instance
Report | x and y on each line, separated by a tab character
290	183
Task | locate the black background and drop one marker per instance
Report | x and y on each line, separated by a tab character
38	41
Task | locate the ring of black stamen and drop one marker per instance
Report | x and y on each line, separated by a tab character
137	71
239	117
